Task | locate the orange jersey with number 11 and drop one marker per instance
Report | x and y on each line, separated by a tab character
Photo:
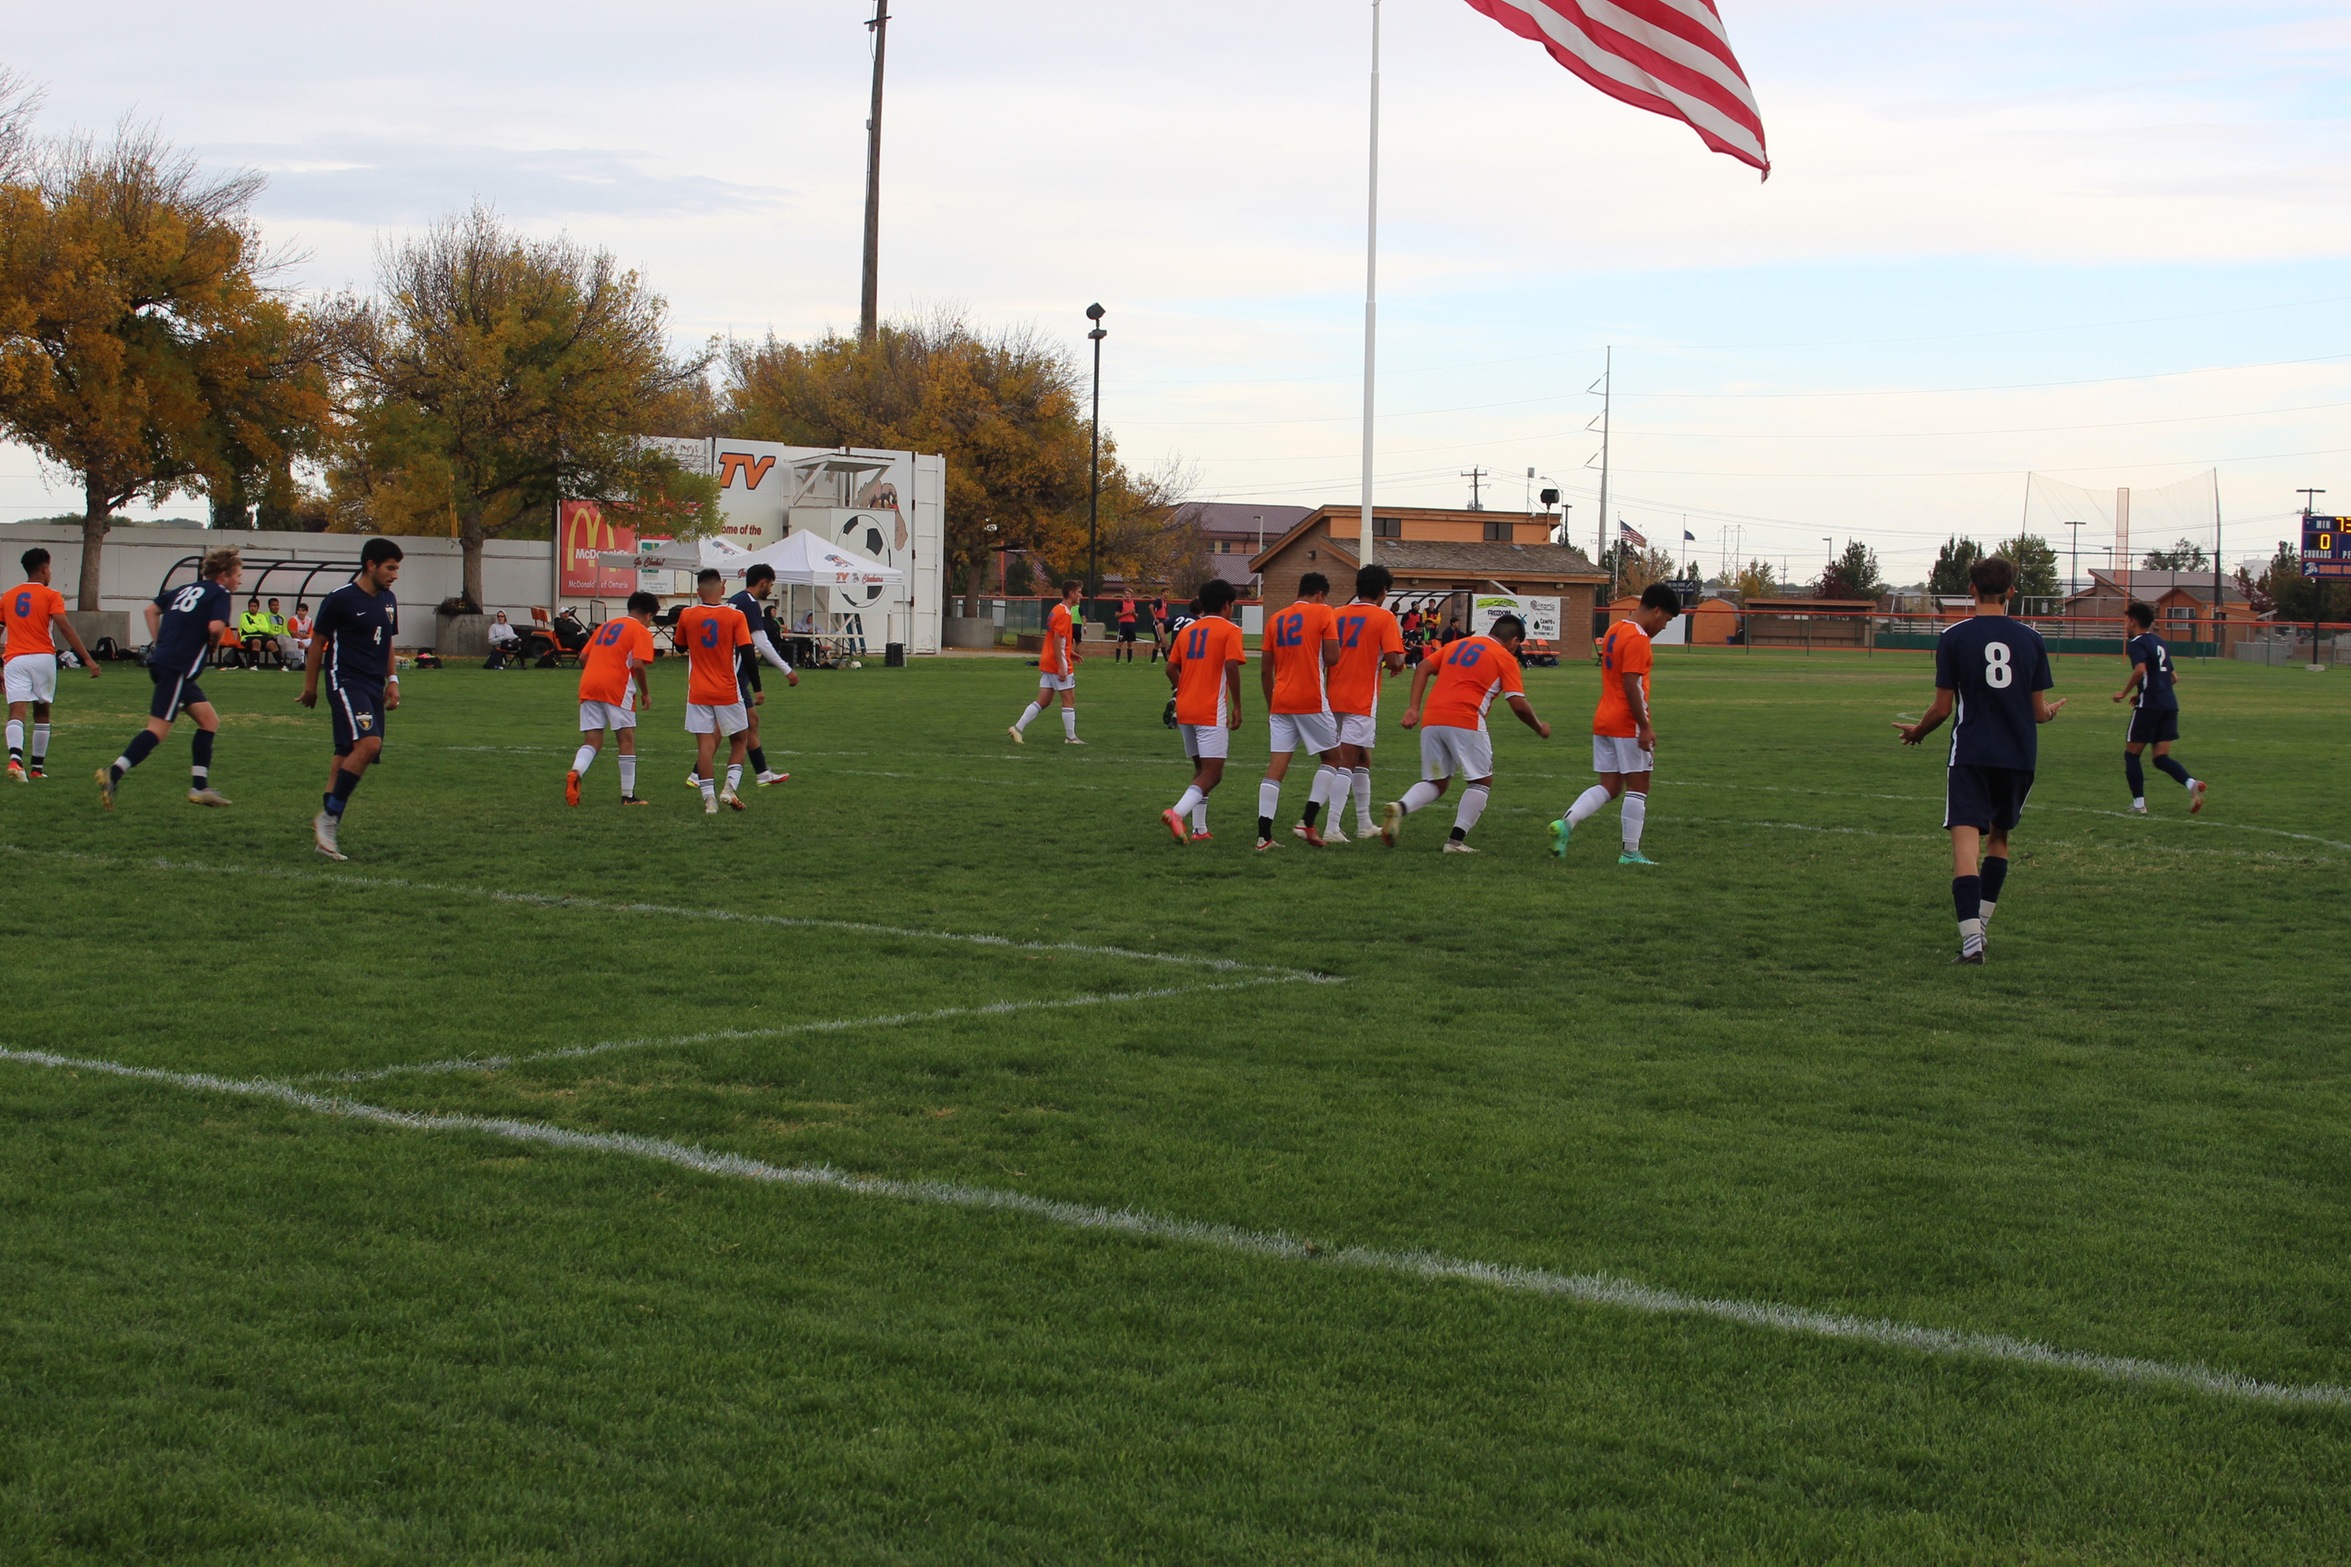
1201	653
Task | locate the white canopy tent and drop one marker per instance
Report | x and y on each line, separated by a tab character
799	560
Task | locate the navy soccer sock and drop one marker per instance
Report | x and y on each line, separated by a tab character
202	747
758	755
345	782
133	754
2171	769
1967	898
1994	877
2132	770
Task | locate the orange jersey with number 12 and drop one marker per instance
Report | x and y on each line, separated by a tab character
1201	652
1293	640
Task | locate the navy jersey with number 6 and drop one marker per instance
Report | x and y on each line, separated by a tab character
2155	691
1992	665
183	637
358	627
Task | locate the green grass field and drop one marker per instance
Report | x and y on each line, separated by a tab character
244	1325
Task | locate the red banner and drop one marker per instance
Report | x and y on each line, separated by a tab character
587	535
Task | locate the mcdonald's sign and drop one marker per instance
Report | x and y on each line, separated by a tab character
586	536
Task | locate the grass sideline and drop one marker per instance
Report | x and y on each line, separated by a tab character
246	1332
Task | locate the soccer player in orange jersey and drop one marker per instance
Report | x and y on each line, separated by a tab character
710	632
1204	662
1453	738
614	689
1624	744
27	615
1295	657
1057	670
1371	647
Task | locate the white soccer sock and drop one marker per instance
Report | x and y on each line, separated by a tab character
1269	797
1473	806
1587	805
1636	814
1191	800
1069	721
1028	716
628	775
708	786
1362	781
1200	816
734	776
40	740
1984	914
2138	802
1420	794
1335	782
15	735
1971	935
581	759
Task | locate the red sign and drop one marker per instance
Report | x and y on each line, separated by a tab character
586	535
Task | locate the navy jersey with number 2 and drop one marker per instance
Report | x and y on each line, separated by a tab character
2155	692
1992	665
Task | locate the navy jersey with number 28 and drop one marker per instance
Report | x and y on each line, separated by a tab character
1992	665
183	636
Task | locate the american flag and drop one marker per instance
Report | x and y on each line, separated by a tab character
1631	535
1670	57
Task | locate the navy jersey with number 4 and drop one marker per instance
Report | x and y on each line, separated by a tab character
1992	665
2155	691
358	627
183	637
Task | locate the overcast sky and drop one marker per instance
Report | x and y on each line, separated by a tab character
2102	240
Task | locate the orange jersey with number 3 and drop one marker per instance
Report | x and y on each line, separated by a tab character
1367	633
604	666
711	633
1202	651
1472	672
1624	651
26	614
1293	641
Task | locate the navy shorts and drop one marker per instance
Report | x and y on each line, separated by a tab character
1126	631
2154	725
174	694
359	714
1989	799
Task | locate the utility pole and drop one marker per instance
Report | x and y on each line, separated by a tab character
1475	476
1606	388
1094	314
870	300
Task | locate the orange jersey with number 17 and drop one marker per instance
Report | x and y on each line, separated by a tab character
1201	653
1367	633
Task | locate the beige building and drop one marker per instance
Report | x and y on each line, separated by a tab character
1435	551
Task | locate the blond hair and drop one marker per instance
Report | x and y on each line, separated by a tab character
219	563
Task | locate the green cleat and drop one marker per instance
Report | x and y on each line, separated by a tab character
1634	857
1561	831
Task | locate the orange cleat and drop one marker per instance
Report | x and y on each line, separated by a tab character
1175	825
571	788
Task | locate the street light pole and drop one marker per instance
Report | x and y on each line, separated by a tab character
1094	314
2318	585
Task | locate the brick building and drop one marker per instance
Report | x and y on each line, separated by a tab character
1437	551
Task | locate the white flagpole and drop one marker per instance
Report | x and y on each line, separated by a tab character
1371	285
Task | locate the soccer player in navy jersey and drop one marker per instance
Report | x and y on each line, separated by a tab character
1990	676
2155	716
351	642
758	583
183	627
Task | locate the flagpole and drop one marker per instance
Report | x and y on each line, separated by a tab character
1371	287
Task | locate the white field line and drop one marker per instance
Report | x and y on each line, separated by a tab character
785	1030
2276	856
555	900
1586	1288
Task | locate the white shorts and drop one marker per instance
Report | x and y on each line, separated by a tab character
32	677
1206	740
1312	732
1361	729
1445	751
729	719
1053	682
596	717
1620	754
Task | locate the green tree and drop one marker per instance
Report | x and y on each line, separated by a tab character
1853	574
2186	555
1003	407
495	375
1635	566
2036	565
1948	579
140	339
2281	589
1757	581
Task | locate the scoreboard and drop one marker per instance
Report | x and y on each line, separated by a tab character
2326	547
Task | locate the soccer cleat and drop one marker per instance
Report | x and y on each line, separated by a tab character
1017	737
1391	822
1333	838
1266	844
2195	796
1202	836
1071	740
1174	824
693	780
106	787
630	799
1975	958
16	773
2138	807
731	800
322	833
37	773
1308	833
710	805
1634	857
208	796
571	788
1561	831
770	779
1456	846
1366	828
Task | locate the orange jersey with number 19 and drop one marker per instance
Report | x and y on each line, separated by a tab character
1201	653
604	666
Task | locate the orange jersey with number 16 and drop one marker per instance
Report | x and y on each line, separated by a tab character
1202	651
1472	673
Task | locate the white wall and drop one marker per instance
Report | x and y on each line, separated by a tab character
516	574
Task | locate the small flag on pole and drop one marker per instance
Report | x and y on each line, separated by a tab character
1631	536
1671	57
1688	537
